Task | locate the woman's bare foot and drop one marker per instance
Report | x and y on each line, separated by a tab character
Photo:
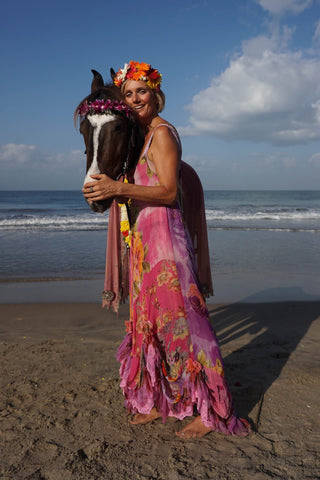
143	418
195	429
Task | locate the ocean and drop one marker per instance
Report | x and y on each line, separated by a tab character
262	243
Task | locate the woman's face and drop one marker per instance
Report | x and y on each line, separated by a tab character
141	99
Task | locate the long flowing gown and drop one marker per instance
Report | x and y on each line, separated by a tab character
170	358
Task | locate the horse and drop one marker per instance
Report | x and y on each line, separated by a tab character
113	138
112	134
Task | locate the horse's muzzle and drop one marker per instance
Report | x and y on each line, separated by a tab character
101	205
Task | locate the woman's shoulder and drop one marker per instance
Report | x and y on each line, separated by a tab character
163	125
164	130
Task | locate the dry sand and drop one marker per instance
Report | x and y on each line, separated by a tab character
62	414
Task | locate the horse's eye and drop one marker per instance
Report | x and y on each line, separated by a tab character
85	152
118	128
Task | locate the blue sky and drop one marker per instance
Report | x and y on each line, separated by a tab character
241	78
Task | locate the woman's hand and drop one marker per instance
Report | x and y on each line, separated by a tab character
102	188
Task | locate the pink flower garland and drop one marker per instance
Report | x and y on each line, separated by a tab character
103	106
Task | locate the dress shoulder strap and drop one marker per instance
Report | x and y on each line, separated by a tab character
171	128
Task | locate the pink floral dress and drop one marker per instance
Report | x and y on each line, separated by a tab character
170	358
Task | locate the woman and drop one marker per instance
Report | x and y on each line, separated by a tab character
170	358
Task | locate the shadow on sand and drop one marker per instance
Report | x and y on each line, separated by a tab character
263	336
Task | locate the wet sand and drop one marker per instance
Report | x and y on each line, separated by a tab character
62	414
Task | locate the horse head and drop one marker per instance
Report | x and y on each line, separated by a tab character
111	132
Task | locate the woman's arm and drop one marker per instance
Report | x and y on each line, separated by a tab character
164	152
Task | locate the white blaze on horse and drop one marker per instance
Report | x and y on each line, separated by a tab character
97	121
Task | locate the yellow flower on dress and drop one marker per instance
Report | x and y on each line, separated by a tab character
181	328
162	278
202	358
139	264
178	398
169	276
219	368
138	252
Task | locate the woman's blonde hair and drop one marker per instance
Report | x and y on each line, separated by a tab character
161	98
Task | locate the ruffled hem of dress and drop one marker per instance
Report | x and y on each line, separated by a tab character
154	392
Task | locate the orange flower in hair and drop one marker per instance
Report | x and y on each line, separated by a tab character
138	71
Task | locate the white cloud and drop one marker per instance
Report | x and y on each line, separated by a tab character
316	36
256	169
40	170
201	163
12	155
315	159
278	159
268	93
289	162
280	7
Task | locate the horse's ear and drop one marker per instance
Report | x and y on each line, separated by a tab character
97	81
112	73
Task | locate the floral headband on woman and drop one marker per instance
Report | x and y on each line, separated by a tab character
138	71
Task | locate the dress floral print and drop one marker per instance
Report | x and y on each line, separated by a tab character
170	358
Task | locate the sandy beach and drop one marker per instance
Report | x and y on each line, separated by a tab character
62	414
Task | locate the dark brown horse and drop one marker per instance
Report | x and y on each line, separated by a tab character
111	132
